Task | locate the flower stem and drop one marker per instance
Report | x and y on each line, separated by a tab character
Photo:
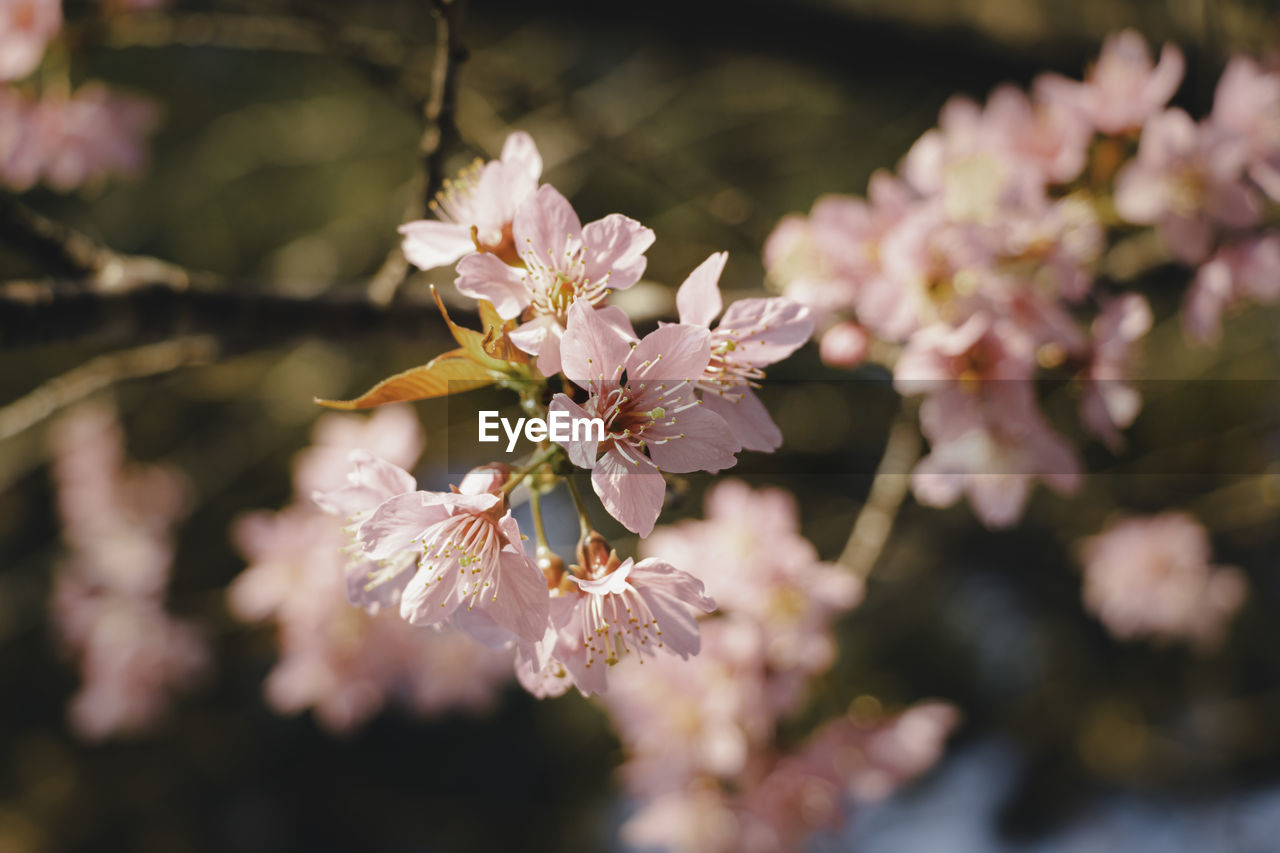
871	529
584	517
535	505
539	459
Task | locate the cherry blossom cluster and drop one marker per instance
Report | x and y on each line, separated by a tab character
981	265
344	664
48	133
1150	577
109	590
705	768
676	400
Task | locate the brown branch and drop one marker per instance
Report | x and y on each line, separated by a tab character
439	133
98	373
875	520
240	314
61	250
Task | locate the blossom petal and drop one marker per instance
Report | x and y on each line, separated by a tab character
615	248
632	492
483	276
398	521
766	330
431	596
521	602
674	596
673	352
584	451
544	223
429	244
698	299
748	419
700	441
593	349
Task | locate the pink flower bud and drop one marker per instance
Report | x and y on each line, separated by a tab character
487	479
843	345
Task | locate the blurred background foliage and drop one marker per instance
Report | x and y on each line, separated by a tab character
708	122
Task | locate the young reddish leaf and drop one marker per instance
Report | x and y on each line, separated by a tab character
472	342
451	373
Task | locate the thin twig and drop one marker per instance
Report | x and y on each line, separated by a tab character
439	133
61	250
241	314
98	373
875	520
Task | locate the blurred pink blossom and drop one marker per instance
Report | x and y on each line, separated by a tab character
1246	105
756	565
1123	89
108	596
1189	181
70	141
1237	274
1110	403
1150	577
338	660
844	345
26	28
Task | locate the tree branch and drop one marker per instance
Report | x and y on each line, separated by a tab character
242	317
61	250
875	520
440	131
98	373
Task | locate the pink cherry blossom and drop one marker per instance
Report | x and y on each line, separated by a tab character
1237	274
391	433
1189	181
372	481
108	592
26	28
1013	146
757	566
1246	105
644	392
1110	403
643	607
844	345
1150	577
341	662
337	660
474	213
682	720
990	447
94	133
21	145
469	552
929	265
1123	89
752	334
562	263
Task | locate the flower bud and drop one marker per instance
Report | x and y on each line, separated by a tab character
595	557
551	565
843	345
487	478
